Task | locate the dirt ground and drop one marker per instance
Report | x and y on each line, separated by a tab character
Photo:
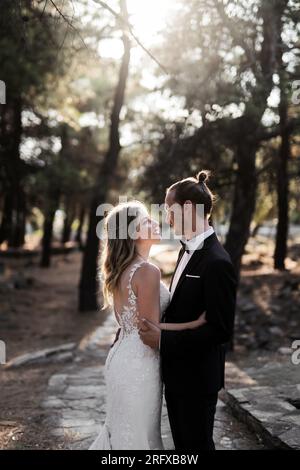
42	312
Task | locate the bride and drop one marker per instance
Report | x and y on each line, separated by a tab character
132	285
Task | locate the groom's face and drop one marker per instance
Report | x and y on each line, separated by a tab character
174	213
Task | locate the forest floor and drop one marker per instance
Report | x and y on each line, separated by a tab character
39	310
40	313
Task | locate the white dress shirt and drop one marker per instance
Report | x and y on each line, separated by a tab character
192	245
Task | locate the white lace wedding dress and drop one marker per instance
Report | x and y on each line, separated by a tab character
133	384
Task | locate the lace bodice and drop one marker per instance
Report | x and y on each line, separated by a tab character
133	384
128	318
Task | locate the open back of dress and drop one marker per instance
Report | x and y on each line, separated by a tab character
133	384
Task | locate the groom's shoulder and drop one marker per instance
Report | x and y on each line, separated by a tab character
218	256
219	266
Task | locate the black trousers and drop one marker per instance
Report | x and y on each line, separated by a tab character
191	419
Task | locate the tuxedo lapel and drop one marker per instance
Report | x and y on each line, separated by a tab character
180	255
195	258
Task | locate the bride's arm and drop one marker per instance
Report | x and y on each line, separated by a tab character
184	326
181	326
146	284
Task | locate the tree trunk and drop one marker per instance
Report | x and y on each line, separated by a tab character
246	179
88	279
282	170
18	237
243	203
12	225
17	234
47	238
78	237
282	203
48	231
243	207
68	221
6	222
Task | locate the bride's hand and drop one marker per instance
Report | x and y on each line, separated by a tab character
201	320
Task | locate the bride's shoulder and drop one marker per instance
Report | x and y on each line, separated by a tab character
148	272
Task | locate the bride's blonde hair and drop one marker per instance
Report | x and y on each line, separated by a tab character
119	248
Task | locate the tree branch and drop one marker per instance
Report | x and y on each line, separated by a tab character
69	23
236	36
130	30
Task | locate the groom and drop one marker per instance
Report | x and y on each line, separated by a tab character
193	361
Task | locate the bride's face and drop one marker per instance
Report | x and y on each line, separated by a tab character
148	231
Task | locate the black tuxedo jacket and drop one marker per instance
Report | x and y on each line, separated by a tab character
194	360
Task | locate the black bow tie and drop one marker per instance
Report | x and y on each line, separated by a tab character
184	246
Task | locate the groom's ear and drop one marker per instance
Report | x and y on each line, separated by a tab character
187	205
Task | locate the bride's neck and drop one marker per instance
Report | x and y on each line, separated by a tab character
143	252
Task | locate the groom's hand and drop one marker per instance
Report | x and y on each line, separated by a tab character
149	333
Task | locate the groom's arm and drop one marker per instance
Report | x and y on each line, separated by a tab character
220	295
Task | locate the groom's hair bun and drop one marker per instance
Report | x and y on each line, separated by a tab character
194	189
203	176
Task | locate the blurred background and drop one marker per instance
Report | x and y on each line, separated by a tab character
101	99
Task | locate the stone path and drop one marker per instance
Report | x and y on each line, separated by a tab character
269	400
272	411
75	403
